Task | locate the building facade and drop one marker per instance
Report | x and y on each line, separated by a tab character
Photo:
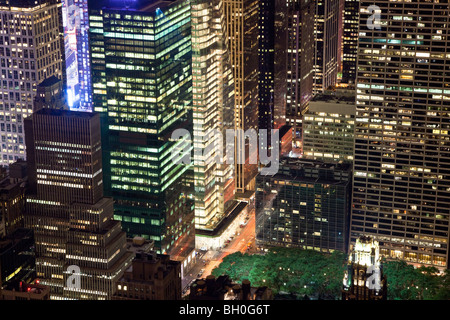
402	147
142	86
328	129
150	277
17	261
213	112
299	65
13	186
30	52
350	41
326	29
241	20
272	53
307	205
80	249
223	288
50	94
364	279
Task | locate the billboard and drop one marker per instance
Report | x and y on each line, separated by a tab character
76	46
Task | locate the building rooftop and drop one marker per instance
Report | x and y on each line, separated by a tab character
49	81
12	239
302	162
223	288
131	5
27	4
333	104
301	169
66	113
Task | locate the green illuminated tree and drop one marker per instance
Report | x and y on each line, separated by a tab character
290	270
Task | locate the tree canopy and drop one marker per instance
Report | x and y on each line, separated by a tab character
408	283
304	272
312	273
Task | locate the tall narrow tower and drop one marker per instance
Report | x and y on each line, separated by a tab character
299	64
242	40
213	112
326	62
350	41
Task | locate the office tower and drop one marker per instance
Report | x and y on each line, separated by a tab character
29	53
328	128
402	182
75	20
151	277
266	55
361	280
340	38
327	44
300	65
50	94
75	233
306	205
272	53
143	89
241	18
213	112
350	41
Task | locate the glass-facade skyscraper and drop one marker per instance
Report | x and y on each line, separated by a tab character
306	205
142	86
213	112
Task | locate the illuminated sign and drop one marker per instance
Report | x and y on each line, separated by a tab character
76	46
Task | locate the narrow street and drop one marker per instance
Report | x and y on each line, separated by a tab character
207	261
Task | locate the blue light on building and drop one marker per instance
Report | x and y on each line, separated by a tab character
76	45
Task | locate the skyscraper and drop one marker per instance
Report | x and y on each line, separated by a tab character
327	44
142	86
401	188
300	64
30	52
72	221
350	41
272	55
213	111
242	40
306	205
